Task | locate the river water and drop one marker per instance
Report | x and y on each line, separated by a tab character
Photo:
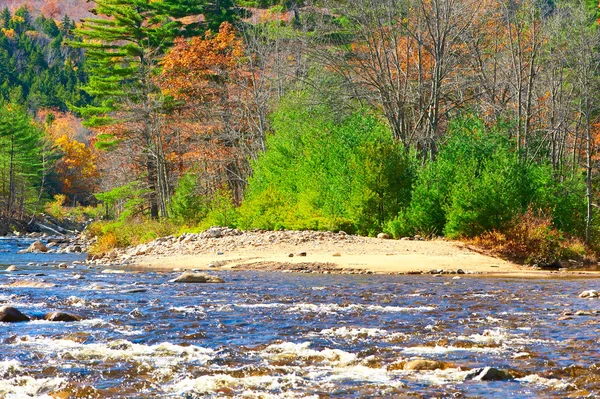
283	335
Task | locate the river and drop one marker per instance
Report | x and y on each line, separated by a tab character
284	335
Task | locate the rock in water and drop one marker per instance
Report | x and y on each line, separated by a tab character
589	294
61	316
12	268
190	277
36	247
12	315
489	374
423	364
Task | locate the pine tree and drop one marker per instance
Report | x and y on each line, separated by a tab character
21	161
123	46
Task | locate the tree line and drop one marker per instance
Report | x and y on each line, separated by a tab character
430	117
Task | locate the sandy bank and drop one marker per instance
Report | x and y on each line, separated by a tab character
221	249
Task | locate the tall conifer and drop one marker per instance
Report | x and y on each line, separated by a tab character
123	46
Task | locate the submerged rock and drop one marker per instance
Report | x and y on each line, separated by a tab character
30	284
9	314
61	316
489	374
190	277
112	271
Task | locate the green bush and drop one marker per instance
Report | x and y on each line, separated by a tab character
187	205
478	184
323	170
222	210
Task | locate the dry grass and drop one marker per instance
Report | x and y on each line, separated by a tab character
533	240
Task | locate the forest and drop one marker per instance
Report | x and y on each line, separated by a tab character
465	119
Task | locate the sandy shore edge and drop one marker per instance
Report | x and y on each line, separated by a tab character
317	253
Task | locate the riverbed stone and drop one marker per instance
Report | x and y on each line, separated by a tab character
61	316
424	365
488	374
589	294
191	277
8	314
37	246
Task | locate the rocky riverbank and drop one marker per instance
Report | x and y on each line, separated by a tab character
304	252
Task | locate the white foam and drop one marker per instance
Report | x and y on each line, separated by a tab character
440	350
9	367
253	386
259	305
357	333
553	383
501	336
334	308
162	354
187	309
29	387
290	350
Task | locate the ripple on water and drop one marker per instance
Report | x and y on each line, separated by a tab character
273	335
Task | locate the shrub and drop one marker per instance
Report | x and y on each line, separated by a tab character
121	234
531	240
222	211
187	204
478	184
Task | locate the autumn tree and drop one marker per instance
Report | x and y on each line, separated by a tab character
405	57
123	47
199	75
76	167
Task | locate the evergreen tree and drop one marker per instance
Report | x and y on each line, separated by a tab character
123	47
21	160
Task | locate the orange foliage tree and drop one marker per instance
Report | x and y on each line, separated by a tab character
199	75
76	167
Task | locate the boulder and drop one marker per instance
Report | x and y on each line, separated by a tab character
190	277
61	316
9	314
214	232
383	236
488	374
36	247
12	268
